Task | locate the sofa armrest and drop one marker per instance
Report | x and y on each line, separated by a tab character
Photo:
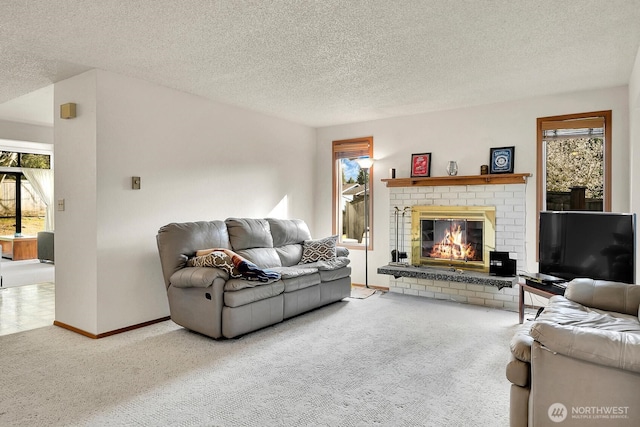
605	295
341	251
197	277
608	348
521	342
518	372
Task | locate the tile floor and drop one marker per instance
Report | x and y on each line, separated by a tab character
26	307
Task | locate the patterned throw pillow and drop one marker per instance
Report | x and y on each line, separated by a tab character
319	250
215	259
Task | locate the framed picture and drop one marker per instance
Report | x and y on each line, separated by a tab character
501	160
420	165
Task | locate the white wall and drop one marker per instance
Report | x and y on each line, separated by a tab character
634	136
198	160
465	135
26	132
75	181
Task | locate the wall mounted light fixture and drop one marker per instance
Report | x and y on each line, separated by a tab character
68	110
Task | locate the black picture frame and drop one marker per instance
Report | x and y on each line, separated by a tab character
421	165
501	159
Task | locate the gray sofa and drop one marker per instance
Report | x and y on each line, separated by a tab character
209	301
578	363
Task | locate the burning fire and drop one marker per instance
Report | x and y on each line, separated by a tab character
452	247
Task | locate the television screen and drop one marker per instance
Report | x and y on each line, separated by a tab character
598	245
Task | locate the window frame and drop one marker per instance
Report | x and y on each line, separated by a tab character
357	146
16	172
540	168
606	115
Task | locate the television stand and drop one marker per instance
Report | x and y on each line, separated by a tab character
540	289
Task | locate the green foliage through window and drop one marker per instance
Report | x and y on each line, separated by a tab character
25	160
8	159
36	161
576	162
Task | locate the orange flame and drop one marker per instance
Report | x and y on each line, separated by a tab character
452	247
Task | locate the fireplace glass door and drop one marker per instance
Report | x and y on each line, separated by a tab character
453	236
452	239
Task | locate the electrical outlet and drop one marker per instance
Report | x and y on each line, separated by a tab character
60	204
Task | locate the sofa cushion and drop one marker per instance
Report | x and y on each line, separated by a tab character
597	336
239	284
329	275
603	347
319	250
565	312
288	231
291	272
290	254
197	277
262	257
301	282
604	295
333	264
330	270
248	295
247	233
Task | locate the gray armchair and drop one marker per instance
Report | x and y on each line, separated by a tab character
45	246
581	354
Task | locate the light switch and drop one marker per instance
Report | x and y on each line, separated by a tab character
135	182
60	204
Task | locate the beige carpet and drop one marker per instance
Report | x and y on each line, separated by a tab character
389	360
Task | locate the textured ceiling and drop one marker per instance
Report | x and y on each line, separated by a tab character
325	62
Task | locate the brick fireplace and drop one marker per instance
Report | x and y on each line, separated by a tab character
508	200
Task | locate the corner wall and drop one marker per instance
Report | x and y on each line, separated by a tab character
76	248
197	160
465	135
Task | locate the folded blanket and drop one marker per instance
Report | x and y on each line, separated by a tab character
232	263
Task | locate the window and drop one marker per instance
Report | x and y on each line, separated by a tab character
349	199
22	210
574	162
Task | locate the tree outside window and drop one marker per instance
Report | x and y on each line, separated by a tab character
575	166
574	162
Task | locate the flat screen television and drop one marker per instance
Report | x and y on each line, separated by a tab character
598	245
